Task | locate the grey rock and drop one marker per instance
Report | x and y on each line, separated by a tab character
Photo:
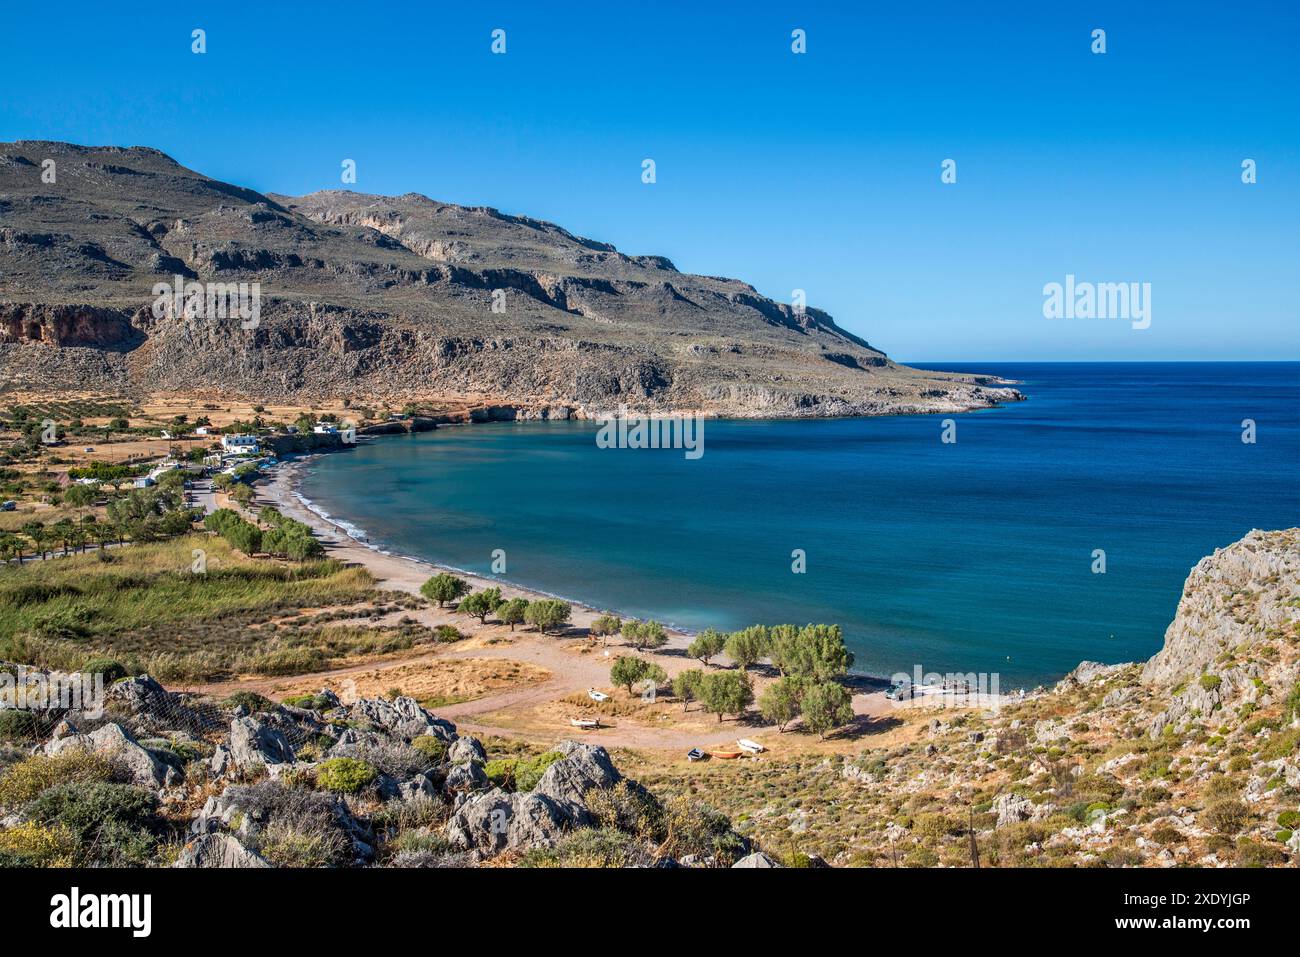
112	739
496	821
583	767
404	718
466	749
218	850
255	744
757	859
466	777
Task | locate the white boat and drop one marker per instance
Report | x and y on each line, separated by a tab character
595	695
584	722
751	747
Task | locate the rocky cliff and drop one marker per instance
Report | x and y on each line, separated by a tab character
397	298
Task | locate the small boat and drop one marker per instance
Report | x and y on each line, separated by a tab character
585	722
753	747
695	754
595	695
725	755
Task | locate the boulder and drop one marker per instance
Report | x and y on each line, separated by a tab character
757	859
111	739
566	782
466	777
142	696
419	787
496	821
218	850
404	718
255	744
1012	808
466	749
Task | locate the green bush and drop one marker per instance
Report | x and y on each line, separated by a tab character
501	772
26	780
345	775
1289	820
310	702
529	772
19	725
1211	682
110	668
250	701
431	746
114	822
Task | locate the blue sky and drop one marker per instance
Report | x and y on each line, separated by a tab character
817	171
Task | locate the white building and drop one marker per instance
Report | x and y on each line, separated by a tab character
325	428
239	443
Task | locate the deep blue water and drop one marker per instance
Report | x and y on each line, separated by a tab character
974	556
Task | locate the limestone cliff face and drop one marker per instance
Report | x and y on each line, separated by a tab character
399	298
1234	602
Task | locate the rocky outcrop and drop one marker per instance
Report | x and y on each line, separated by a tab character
1241	592
218	850
113	741
404	718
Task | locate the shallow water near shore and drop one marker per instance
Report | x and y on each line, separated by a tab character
976	556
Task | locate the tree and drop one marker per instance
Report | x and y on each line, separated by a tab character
79	496
726	692
512	612
779	703
10	545
481	603
817	652
783	646
443	588
547	613
826	706
627	670
747	647
687	686
644	634
244	536
707	643
605	626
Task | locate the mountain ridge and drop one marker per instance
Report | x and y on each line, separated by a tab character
401	297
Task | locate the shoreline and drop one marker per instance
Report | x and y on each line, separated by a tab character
346	542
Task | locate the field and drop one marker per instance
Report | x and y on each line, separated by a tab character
144	606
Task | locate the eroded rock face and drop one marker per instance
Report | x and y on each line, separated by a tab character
497	821
1240	593
114	741
254	743
390	296
404	718
218	850
567	781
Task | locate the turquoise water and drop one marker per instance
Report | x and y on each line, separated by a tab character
973	556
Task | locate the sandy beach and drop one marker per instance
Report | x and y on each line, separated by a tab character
400	572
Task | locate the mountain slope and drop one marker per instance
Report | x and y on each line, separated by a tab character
394	297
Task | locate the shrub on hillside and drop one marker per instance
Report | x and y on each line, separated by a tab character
115	823
25	781
345	775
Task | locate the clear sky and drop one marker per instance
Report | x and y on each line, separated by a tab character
818	171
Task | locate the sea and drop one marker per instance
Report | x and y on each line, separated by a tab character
1039	534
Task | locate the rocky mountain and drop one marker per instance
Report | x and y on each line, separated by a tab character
399	298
